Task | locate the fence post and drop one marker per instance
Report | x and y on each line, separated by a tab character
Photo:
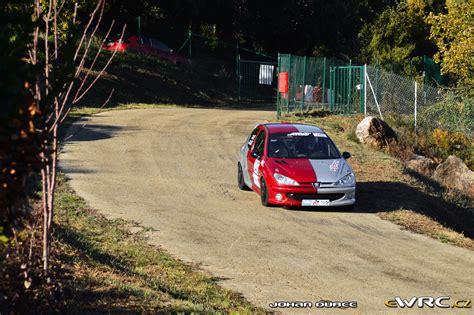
278	88
331	86
375	97
290	78
303	83
238	75
416	99
349	87
190	34
324	80
332	82
334	88
365	90
361	99
139	30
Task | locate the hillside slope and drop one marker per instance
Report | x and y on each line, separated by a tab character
146	79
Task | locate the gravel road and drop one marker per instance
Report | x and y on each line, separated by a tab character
174	169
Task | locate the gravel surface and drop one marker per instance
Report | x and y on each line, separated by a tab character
174	170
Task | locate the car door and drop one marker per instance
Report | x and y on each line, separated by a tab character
254	158
244	153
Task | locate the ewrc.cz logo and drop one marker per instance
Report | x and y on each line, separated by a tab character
422	301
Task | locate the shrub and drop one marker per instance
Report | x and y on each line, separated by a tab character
453	114
442	143
444	129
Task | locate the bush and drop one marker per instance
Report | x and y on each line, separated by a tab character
444	129
452	115
442	143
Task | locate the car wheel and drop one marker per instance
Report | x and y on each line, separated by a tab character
264	193
240	178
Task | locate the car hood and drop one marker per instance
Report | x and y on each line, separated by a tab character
311	170
330	171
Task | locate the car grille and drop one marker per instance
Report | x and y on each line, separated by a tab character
331	197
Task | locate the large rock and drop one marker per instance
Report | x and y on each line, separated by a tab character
374	131
422	165
454	174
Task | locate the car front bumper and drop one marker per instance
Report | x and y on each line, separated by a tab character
294	195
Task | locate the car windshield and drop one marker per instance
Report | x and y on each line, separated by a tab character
116	38
310	145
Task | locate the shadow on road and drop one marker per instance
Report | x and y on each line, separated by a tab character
375	197
90	132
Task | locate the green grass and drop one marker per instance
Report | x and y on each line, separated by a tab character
78	112
110	268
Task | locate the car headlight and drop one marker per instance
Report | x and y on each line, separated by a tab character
348	180
284	180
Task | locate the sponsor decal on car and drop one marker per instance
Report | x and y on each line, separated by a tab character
251	140
256	180
305	134
334	166
320	135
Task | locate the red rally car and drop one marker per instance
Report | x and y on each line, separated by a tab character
295	165
144	45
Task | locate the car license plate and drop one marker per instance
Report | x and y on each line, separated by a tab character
311	202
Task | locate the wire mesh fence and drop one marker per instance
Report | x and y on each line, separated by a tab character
341	88
420	105
256	79
248	75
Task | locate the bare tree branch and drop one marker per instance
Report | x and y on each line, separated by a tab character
55	5
102	71
86	28
100	4
94	61
57	110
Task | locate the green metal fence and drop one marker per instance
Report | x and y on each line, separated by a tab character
308	82
346	89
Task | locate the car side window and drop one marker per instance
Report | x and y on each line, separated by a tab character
260	143
252	136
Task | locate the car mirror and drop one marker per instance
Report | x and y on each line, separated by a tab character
255	154
346	155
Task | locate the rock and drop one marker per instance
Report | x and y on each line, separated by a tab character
422	165
454	174
374	131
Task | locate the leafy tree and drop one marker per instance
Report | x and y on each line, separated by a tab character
19	141
306	27
453	33
398	36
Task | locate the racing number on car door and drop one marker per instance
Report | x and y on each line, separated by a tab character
254	158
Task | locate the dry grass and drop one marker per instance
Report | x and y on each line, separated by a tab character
385	187
420	223
109	268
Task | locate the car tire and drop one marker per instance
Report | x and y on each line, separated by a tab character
264	193
240	178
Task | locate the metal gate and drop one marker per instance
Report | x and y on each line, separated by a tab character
256	80
346	87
